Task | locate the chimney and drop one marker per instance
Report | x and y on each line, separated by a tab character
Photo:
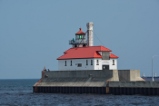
90	33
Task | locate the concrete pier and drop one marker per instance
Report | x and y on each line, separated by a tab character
132	88
100	90
118	82
89	78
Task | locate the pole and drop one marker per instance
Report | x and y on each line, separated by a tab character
152	67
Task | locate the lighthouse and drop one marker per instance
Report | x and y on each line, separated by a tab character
83	55
88	68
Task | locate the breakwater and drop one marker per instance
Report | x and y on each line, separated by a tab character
127	82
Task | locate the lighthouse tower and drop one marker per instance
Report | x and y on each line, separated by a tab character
80	39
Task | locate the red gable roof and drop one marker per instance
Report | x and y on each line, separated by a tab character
113	56
80	32
83	52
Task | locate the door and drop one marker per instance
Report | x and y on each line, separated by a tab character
105	67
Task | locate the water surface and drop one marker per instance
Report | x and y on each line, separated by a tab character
19	93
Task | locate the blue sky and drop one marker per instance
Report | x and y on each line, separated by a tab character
33	33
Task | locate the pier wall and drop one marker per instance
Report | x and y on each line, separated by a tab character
129	75
81	74
147	84
87	78
134	87
112	75
95	81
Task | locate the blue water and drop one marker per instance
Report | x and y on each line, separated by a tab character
19	93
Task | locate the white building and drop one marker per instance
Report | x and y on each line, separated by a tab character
84	56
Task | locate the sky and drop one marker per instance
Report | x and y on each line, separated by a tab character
34	33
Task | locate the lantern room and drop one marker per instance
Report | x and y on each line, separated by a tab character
80	35
80	39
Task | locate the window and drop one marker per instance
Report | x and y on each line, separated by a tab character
65	63
97	62
113	62
91	62
71	63
105	55
86	62
79	65
79	36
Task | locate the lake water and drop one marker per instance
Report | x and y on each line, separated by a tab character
19	93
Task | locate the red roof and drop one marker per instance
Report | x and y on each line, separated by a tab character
85	52
113	56
80	32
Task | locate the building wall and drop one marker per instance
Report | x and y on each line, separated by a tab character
97	64
113	65
110	63
75	62
105	62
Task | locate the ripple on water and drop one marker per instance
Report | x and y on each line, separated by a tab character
75	99
19	93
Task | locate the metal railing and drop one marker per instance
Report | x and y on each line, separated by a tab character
77	42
